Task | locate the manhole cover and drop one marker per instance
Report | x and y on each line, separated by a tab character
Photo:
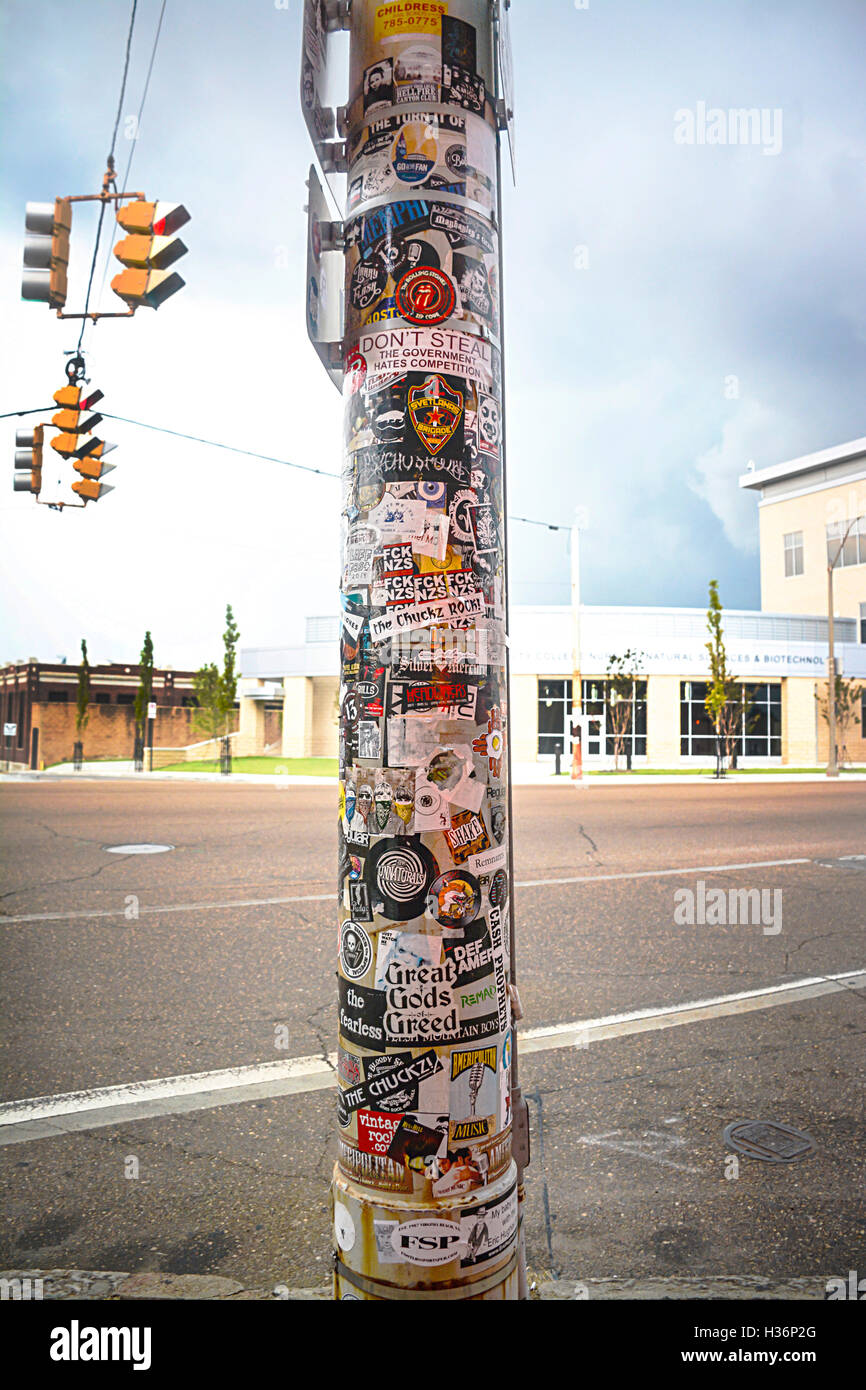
138	849
768	1140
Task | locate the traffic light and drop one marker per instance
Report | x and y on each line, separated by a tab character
88	454
148	252
28	455
46	252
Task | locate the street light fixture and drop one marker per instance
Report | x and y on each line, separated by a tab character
832	765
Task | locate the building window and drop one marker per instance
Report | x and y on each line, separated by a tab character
793	554
759	733
103	697
554	717
124	699
596	702
863	625
853	550
58	697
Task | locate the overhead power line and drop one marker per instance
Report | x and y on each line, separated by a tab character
110	166
286	463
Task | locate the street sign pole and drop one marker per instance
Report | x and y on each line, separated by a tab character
433	1134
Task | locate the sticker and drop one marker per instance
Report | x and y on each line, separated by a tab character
415	152
348	1068
344	1227
489	1230
413	616
379	85
356	950
489	860
398	516
420	1005
391	1083
491	745
467	1131
498	944
405	949
359	901
407	17
412	1139
454	900
376	1131
399	873
435	409
361	1013
426	1241
467	837
425	296
469	947
497	891
489	425
485	533
460	1171
389	352
432	811
373	1170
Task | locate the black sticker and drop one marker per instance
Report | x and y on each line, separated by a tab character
471	951
362	1012
399	873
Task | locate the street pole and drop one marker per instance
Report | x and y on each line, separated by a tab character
832	765
577	727
433	1132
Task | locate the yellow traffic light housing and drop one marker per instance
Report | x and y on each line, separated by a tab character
148	252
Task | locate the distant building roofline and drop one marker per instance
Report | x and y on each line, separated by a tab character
807	463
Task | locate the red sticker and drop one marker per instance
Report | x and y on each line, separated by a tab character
426	295
376	1130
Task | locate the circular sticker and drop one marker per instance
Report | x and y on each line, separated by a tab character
455	898
426	295
399	873
356	950
498	890
344	1226
428	801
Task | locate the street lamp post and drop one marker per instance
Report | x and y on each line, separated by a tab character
832	764
403	304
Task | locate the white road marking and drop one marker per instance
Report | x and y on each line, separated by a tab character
664	873
43	1117
332	897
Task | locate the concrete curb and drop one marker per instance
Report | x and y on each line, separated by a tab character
89	1285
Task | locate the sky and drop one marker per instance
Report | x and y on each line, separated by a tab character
675	308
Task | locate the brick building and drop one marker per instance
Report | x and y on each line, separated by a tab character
38	704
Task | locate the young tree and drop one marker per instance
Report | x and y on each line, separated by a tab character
623	673
145	686
83	697
208	717
229	679
725	701
848	697
216	691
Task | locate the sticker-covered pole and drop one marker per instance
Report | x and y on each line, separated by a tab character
425	1191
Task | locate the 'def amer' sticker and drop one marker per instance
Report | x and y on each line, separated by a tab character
427	1241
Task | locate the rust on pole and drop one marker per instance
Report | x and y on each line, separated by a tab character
404	308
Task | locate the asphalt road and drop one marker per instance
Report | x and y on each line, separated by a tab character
630	1176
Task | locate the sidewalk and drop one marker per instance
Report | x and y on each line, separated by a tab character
84	1285
523	775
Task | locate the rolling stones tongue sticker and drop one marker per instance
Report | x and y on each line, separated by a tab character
426	296
436	410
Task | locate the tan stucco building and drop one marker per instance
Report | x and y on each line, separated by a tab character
779	654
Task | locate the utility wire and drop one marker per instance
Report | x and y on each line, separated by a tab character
134	143
272	458
248	453
111	167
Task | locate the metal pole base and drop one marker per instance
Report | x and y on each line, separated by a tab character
460	1248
